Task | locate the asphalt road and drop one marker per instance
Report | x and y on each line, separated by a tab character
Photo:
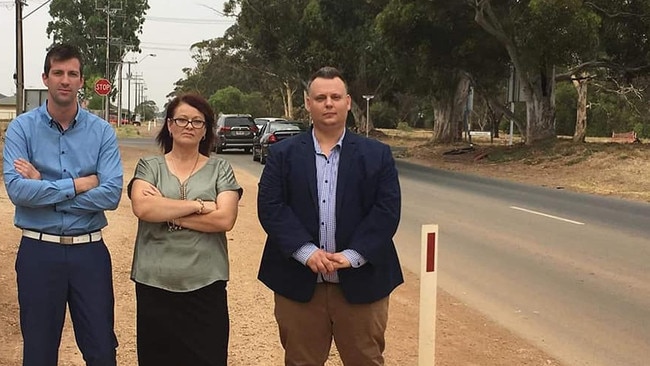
570	272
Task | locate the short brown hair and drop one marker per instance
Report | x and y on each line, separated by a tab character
63	52
327	72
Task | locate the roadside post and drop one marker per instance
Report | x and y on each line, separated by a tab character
428	295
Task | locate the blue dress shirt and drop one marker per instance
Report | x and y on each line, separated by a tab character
50	205
326	178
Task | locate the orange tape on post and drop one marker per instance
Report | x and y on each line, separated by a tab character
431	252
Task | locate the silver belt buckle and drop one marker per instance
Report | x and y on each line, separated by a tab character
66	240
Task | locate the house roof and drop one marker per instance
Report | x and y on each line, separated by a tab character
8	100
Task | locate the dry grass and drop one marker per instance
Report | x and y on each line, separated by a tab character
597	166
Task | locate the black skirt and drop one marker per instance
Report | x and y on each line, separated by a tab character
182	328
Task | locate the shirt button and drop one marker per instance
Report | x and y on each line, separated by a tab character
326	181
323	201
322	223
62	152
322	247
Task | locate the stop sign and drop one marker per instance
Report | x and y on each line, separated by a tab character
102	87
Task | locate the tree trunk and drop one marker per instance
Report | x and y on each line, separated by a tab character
494	117
360	118
448	114
287	96
581	115
539	92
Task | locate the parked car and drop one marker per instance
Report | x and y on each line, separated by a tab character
234	131
272	132
261	121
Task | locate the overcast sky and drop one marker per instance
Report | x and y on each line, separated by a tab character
170	28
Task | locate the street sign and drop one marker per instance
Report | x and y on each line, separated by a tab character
102	87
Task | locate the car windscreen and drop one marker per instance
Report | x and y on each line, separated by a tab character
285	127
239	121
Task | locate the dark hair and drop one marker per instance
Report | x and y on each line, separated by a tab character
63	52
327	72
164	139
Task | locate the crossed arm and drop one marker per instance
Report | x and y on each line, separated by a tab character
148	204
81	184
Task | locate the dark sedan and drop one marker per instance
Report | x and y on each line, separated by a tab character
272	132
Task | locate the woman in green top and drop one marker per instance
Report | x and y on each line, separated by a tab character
185	202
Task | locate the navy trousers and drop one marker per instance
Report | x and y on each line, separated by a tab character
49	277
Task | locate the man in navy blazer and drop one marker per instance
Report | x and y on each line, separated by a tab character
329	201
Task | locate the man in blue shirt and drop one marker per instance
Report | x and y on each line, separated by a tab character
62	170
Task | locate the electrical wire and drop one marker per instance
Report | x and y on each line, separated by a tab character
189	20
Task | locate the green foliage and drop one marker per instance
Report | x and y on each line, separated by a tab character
566	99
96	103
147	110
254	104
383	115
410	54
554	32
403	126
232	100
642	130
79	22
228	100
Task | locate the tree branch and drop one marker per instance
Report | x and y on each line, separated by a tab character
620	14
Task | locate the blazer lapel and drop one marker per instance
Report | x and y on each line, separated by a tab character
308	163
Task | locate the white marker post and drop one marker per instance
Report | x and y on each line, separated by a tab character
428	295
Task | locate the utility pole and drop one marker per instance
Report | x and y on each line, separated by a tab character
107	114
20	74
119	82
108	10
136	82
130	77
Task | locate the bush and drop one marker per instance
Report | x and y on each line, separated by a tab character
404	126
383	115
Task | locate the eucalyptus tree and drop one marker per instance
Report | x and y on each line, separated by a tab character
147	109
287	40
217	67
270	39
81	23
620	59
344	35
440	52
539	36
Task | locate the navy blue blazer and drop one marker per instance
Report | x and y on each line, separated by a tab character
368	204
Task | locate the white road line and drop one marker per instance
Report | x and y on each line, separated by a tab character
547	215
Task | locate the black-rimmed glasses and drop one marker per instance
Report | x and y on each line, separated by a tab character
182	122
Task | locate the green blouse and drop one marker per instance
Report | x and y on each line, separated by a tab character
183	260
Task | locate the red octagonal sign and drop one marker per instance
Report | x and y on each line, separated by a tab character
102	87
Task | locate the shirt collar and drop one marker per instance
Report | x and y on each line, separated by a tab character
51	121
339	143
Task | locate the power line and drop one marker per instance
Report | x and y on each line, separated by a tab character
165	44
189	20
177	49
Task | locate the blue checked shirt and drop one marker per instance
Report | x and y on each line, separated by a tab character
326	177
50	205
